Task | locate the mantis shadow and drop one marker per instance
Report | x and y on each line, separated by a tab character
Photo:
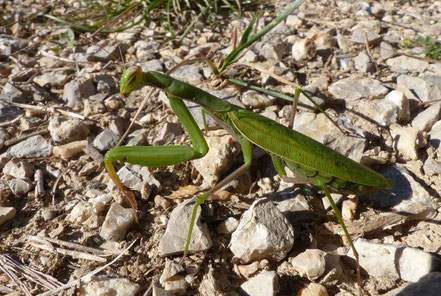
428	285
384	199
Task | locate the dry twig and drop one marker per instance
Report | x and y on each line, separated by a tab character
70	245
6	123
73	254
43	53
12	268
88	276
48	109
22	138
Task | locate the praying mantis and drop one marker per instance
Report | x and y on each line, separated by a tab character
312	162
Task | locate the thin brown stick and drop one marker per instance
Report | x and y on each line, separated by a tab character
3	124
67	244
16	61
48	109
368	50
141	107
73	254
114	20
419	58
430	102
21	138
11	274
266	71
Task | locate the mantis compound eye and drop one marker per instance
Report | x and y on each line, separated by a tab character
129	81
132	78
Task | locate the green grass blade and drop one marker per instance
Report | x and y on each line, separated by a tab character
169	25
145	15
236	10
247	34
192	24
273	93
270	92
70	24
232	57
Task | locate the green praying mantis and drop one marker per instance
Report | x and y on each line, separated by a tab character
311	161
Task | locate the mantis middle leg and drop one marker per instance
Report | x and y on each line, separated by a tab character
247	154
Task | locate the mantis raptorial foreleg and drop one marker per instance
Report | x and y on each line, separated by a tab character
153	156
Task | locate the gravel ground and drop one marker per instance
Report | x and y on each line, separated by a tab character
66	229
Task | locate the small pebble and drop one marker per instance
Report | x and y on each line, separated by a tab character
177	285
311	263
175	237
6	214
162	202
20	187
109	286
64	130
48	214
272	233
228	226
69	150
304	49
408	140
380	260
171	269
19	168
105	140
117	222
264	284
313	289
349	209
35	146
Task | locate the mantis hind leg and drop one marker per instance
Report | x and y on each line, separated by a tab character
348	237
336	211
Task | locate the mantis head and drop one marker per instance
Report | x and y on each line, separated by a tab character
131	80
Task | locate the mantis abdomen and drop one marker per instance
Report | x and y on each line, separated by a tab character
307	157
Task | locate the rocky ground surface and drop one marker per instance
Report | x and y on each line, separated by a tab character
65	229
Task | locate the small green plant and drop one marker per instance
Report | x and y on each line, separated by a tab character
66	39
69	37
432	48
